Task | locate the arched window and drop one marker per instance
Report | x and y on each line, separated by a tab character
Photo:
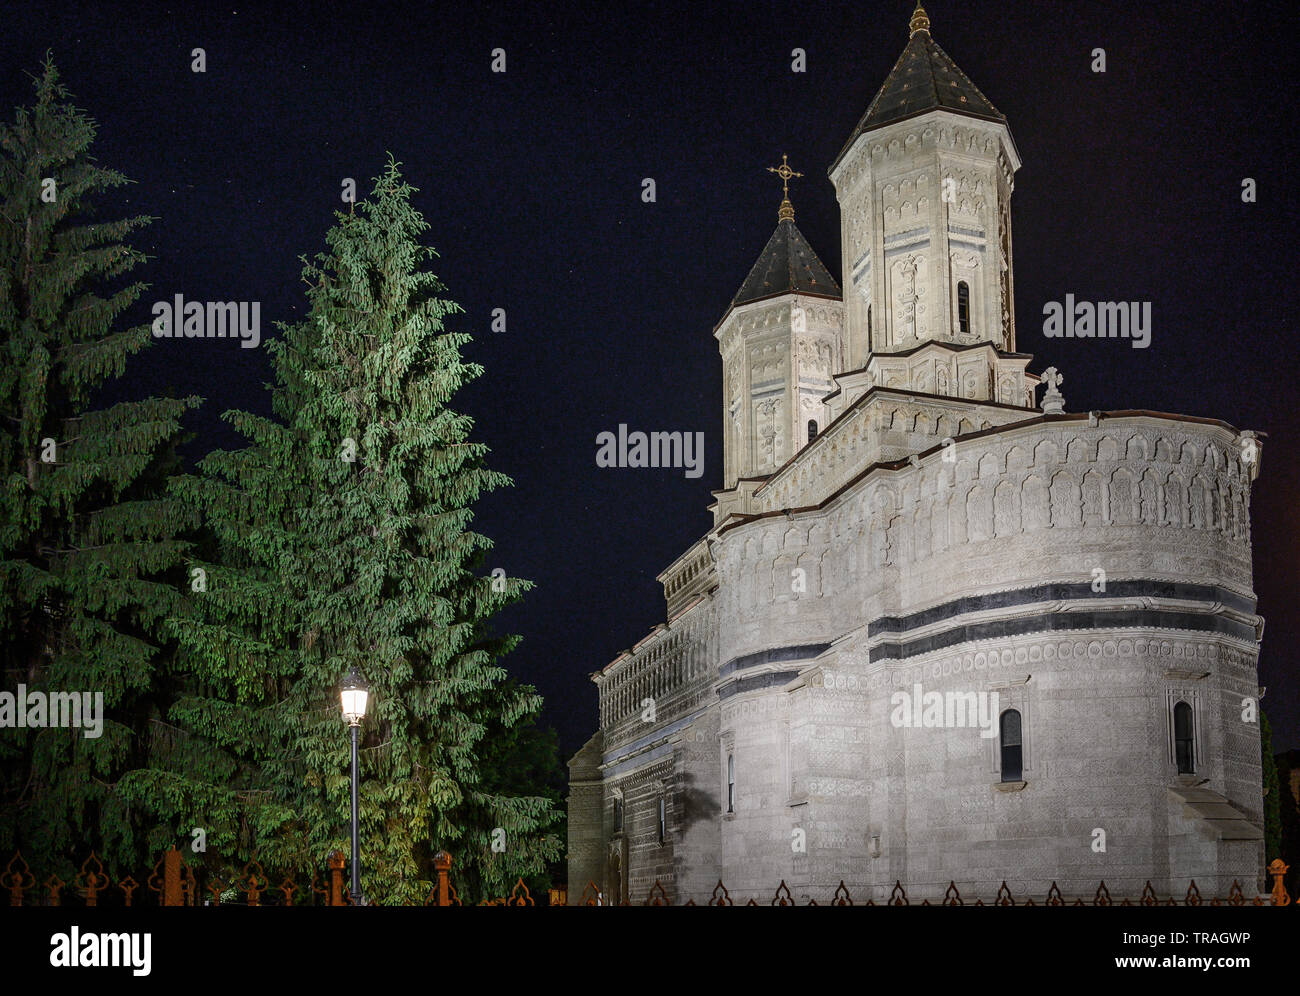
663	821
618	814
812	429
963	308
1183	750
1010	742
731	783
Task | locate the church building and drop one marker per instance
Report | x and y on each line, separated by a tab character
942	629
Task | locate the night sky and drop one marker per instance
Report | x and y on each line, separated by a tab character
532	179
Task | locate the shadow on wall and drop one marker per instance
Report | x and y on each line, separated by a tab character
696	805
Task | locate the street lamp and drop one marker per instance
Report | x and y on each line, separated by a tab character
354	694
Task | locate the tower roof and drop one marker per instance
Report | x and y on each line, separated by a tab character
923	79
787	265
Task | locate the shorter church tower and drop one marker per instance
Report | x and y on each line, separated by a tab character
780	342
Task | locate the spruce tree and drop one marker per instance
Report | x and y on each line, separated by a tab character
1272	793
87	539
344	541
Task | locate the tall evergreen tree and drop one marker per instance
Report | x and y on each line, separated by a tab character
344	541
86	537
1272	793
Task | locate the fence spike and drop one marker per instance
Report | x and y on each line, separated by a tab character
842	897
952	897
519	895
724	899
18	880
898	896
782	900
254	883
91	882
216	887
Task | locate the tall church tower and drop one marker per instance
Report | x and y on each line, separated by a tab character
781	342
924	184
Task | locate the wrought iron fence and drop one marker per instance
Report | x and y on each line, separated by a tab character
173	883
658	896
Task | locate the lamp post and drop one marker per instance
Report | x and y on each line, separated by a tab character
354	695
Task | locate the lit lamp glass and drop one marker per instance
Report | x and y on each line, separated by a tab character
354	695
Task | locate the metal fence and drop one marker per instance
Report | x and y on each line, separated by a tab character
171	882
592	896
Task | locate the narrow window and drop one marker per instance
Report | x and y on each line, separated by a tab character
1012	753
812	429
963	308
868	322
731	783
663	821
618	815
1183	752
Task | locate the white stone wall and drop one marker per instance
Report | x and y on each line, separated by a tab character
1140	497
1135	496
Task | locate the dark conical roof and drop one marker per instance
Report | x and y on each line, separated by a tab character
923	79
786	265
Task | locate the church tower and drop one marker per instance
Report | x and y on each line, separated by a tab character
780	342
924	184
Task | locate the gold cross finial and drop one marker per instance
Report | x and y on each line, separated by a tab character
786	211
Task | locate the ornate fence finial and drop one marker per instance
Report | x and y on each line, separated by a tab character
1277	869
216	887
18	878
519	895
91	881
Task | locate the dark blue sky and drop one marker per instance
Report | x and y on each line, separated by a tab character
531	179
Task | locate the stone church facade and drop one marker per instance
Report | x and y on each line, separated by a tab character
940	630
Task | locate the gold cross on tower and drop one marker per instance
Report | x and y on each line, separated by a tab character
786	211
